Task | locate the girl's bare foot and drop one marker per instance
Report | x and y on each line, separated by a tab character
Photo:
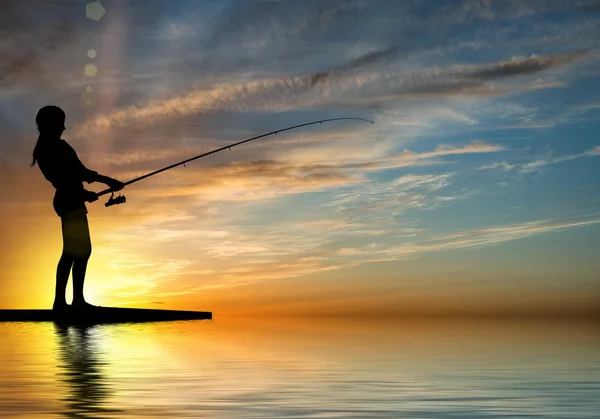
60	306
83	305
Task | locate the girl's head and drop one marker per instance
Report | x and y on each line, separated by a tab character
50	120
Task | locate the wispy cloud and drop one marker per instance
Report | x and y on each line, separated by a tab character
305	262
539	164
486	236
337	88
262	179
432	182
48	37
501	165
469	10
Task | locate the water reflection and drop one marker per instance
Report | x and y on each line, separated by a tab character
244	369
81	368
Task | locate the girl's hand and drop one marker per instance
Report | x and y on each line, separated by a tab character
114	184
91	196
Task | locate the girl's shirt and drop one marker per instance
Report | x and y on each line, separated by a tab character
60	165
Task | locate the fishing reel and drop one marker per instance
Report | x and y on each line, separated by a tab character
115	200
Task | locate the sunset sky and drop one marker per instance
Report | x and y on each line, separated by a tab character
475	189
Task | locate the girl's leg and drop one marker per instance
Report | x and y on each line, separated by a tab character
79	268
78	245
62	277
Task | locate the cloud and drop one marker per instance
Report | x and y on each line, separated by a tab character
316	169
429	116
337	89
301	262
371	58
470	238
498	165
27	43
468	11
562	114
520	66
593	152
495	235
409	158
431	182
538	165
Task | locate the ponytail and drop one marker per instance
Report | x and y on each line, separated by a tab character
36	152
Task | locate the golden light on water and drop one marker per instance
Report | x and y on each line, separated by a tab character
224	368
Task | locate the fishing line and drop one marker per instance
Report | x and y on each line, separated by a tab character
121	199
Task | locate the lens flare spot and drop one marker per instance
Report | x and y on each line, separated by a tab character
90	70
92	53
94	11
89	89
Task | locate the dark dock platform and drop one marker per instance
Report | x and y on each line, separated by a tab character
102	315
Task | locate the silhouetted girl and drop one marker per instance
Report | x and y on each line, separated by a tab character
60	166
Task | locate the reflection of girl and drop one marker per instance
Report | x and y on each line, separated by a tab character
60	166
82	369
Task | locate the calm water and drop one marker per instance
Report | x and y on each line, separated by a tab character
302	369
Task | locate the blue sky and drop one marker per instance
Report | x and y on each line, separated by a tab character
478	176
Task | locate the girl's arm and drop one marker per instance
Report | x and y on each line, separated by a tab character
90	176
113	184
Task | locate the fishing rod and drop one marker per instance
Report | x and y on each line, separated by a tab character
121	198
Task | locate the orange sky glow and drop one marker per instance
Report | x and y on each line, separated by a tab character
475	190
